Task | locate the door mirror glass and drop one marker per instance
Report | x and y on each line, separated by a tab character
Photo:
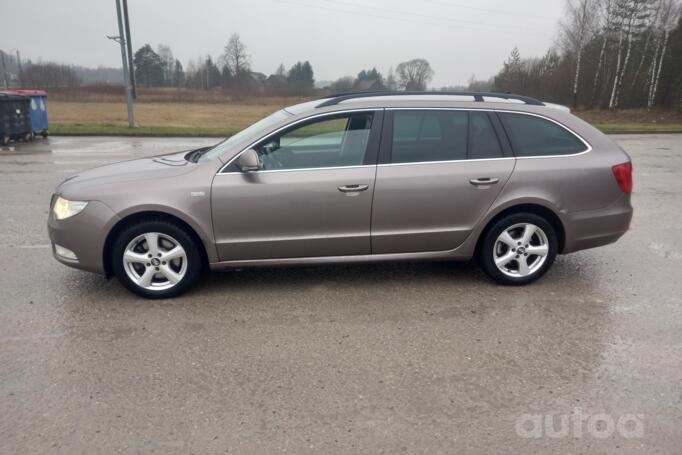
248	161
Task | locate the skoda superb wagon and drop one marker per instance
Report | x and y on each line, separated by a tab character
505	179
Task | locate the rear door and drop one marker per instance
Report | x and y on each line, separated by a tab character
439	172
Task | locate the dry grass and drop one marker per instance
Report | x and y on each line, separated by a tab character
171	115
116	94
644	116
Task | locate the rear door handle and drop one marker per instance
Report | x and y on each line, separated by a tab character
484	181
352	188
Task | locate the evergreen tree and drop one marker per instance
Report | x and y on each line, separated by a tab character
301	77
149	68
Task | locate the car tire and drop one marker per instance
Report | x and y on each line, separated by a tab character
162	270
506	252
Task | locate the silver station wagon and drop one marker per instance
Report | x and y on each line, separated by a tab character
505	179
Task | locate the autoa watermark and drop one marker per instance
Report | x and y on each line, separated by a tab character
579	425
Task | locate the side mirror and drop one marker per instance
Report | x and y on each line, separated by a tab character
248	161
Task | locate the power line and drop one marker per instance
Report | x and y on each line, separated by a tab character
449	24
487	10
437	18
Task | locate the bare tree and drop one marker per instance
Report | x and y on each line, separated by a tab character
236	58
633	15
49	75
651	28
414	74
606	9
576	31
670	11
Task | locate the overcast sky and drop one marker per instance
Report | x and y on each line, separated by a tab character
339	37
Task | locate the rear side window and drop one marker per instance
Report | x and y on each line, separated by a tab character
535	136
423	136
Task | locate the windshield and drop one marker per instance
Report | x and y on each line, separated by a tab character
253	130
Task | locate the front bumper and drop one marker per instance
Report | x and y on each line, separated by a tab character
84	234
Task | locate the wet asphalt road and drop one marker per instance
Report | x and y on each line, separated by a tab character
383	358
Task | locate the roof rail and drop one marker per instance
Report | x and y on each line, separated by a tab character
478	96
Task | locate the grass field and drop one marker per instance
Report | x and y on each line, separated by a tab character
225	118
155	118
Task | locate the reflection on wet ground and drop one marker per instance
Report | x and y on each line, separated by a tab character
426	357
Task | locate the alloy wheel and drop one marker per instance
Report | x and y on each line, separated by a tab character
521	250
155	261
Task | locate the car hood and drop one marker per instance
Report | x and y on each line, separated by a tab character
83	184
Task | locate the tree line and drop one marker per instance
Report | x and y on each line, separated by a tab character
232	72
611	54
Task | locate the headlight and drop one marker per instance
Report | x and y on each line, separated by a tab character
63	208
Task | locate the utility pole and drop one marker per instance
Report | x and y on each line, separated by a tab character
4	68
126	79
129	43
20	76
19	63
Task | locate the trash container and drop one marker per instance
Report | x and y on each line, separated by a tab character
38	110
15	117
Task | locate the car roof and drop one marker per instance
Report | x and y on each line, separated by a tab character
463	100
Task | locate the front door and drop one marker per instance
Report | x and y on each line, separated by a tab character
311	197
441	171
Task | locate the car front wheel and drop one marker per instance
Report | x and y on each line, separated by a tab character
156	259
518	249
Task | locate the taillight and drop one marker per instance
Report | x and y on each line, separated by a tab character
623	175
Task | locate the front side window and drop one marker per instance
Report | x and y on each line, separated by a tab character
335	141
443	135
536	136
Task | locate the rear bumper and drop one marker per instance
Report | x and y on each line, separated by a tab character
593	228
84	235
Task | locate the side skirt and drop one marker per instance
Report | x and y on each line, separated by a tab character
392	257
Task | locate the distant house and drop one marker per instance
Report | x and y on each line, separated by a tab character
257	81
276	81
372	85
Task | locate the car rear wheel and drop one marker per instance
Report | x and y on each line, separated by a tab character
156	259
518	249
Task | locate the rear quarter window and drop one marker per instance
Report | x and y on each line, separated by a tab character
535	136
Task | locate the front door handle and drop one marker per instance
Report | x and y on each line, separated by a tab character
484	181
352	188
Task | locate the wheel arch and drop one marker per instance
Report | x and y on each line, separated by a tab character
146	216
529	207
